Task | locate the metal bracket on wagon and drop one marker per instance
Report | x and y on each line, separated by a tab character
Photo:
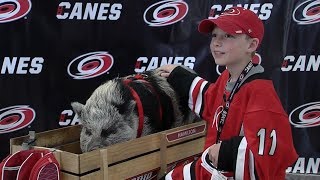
30	141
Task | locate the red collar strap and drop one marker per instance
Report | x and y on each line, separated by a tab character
136	97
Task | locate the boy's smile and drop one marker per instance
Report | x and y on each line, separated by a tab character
218	54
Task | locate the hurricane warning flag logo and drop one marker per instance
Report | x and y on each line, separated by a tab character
307	12
90	65
231	12
15	117
11	10
307	115
166	12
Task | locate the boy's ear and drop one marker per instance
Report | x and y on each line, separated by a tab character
254	43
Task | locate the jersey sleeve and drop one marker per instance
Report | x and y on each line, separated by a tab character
269	140
264	152
267	148
190	87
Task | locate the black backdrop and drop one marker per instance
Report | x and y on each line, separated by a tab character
55	52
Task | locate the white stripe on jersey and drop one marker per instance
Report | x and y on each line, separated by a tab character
241	159
169	176
186	171
193	85
204	163
251	166
199	96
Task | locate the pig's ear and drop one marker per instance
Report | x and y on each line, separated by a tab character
77	108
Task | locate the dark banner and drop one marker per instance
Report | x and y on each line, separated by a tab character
55	52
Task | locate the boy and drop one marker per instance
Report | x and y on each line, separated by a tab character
248	134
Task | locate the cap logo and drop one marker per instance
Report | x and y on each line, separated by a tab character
231	12
249	31
239	32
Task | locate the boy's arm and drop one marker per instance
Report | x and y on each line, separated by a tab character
189	87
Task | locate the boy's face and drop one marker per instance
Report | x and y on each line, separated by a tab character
229	49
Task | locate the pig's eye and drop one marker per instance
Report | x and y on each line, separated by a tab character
105	133
88	132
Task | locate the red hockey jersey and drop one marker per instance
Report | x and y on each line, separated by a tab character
256	137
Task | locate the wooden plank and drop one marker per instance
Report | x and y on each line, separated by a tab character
163	155
15	148
52	138
184	150
70	162
118	152
89	161
134	167
104	164
66	176
92	176
122	151
73	147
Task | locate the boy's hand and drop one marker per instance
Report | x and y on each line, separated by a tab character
165	70
214	154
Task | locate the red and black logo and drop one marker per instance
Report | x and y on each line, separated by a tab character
11	10
15	117
306	115
90	65
307	12
166	12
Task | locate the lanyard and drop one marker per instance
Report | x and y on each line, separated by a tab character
227	104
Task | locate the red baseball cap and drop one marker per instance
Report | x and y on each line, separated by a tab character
235	20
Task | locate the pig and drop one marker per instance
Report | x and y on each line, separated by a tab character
129	107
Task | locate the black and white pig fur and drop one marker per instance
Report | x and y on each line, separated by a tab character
111	116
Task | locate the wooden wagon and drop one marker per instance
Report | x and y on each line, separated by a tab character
145	158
